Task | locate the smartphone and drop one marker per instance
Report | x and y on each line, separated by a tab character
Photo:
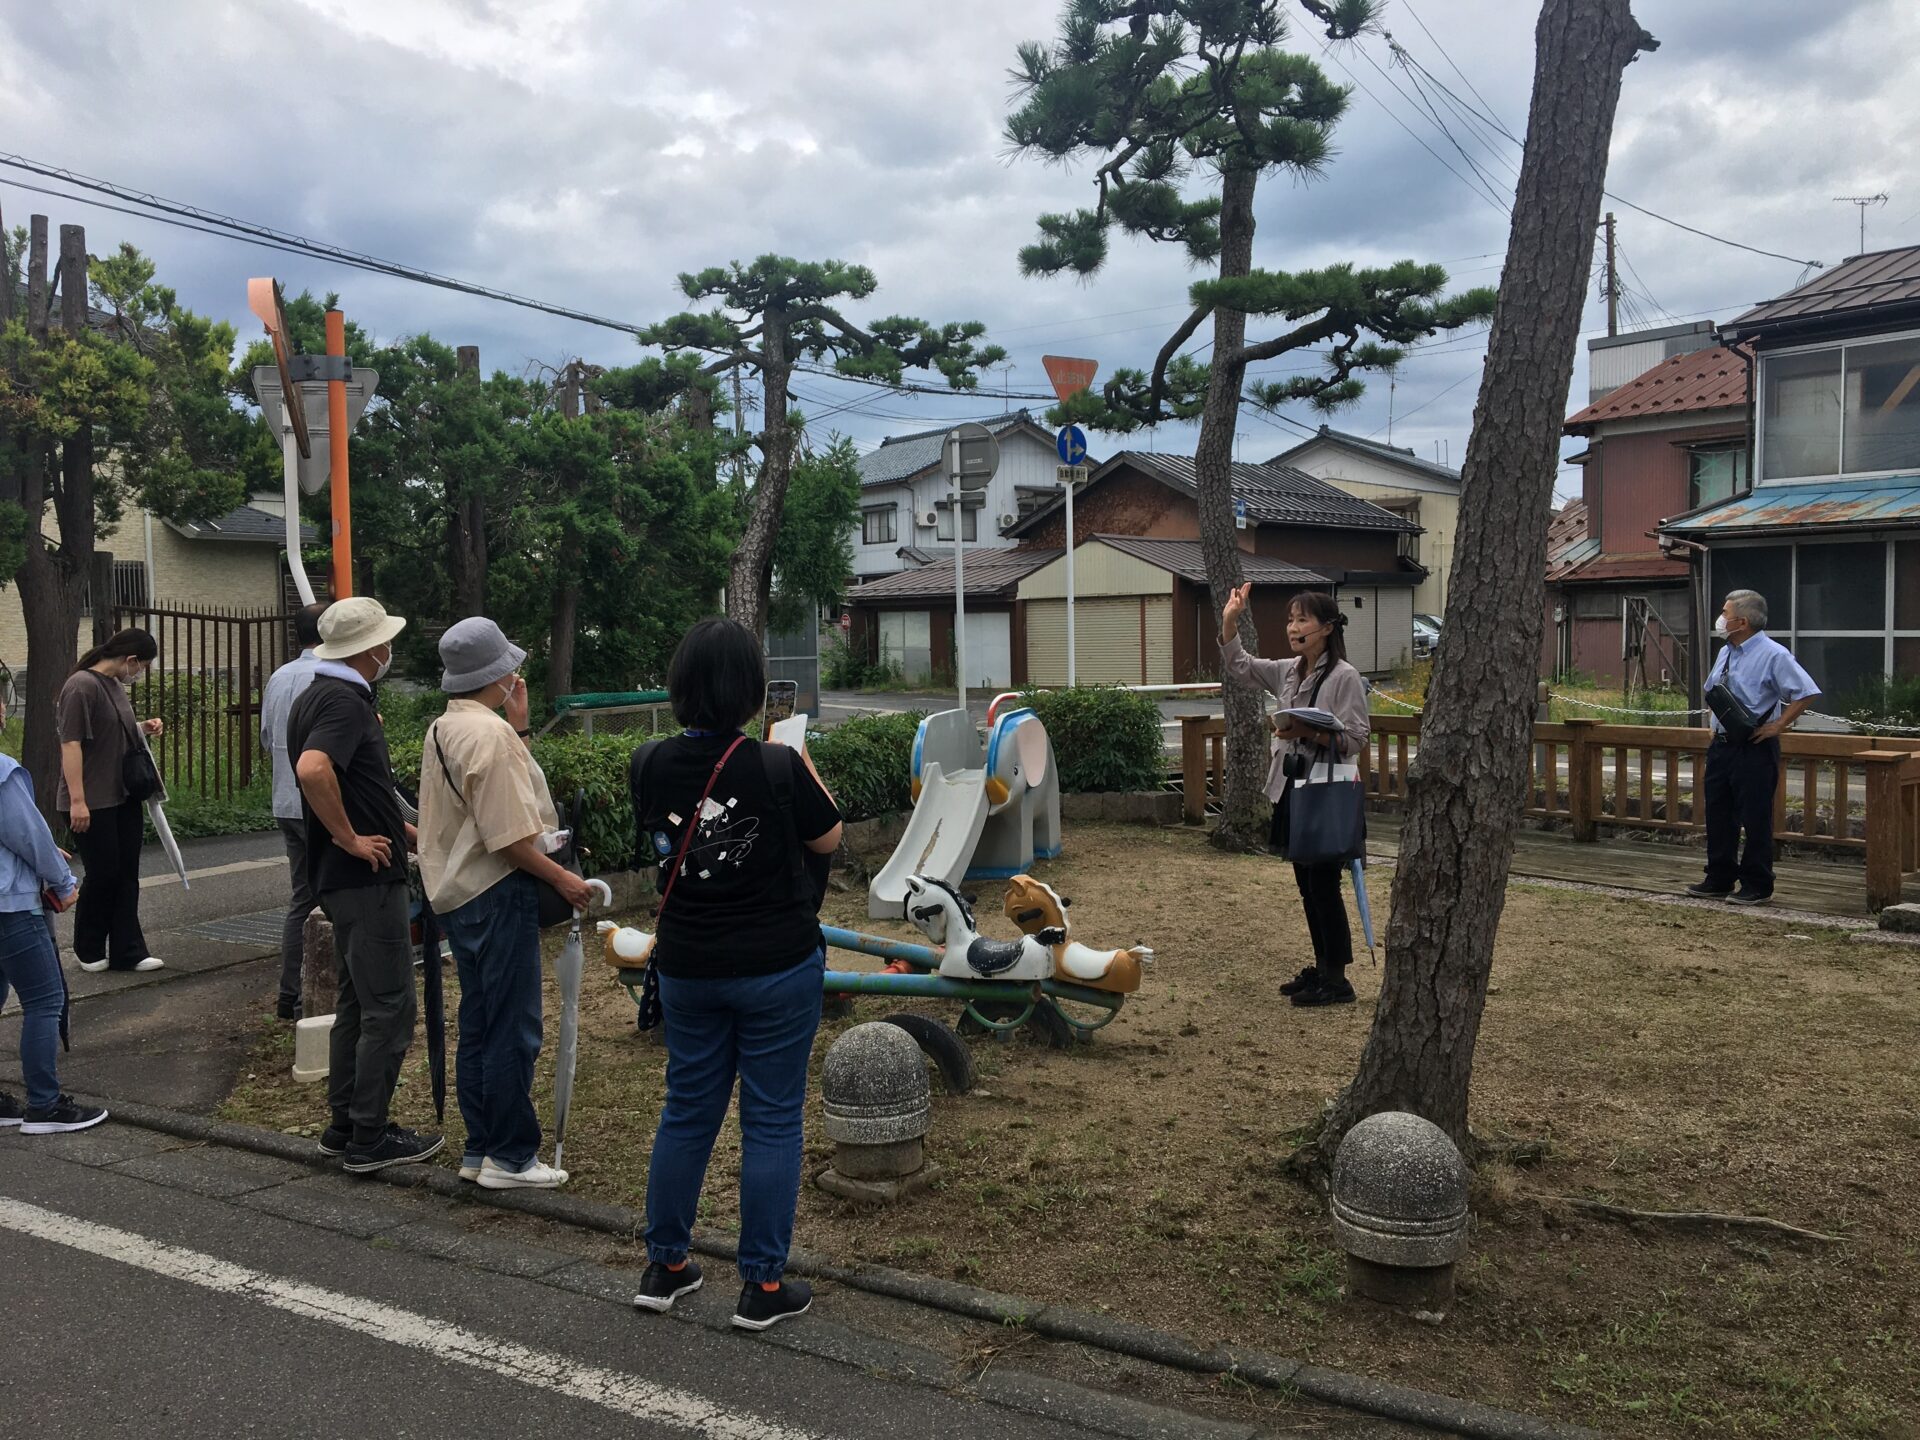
783	698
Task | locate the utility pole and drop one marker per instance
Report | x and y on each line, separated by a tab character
1610	285
1862	204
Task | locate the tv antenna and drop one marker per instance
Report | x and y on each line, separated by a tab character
1862	203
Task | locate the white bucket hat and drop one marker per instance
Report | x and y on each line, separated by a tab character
354	626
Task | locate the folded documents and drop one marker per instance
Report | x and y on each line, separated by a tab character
1315	718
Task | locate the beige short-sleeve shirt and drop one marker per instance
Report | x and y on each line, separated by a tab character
495	796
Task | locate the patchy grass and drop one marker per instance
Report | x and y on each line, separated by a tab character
1668	1059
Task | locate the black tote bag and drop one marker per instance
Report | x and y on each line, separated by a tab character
1326	819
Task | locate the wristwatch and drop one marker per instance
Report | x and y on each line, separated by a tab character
524	734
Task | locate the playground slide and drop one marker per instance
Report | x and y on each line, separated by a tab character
940	840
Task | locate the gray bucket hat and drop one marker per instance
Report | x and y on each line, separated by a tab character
476	654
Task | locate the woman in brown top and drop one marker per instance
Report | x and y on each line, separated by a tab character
1317	677
97	727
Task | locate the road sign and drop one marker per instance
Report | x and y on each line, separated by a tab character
310	415
1069	373
1239	514
970	455
1075	475
263	298
1072	444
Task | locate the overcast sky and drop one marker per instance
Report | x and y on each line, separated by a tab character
585	151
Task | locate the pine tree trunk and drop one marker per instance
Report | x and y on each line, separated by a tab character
467	523
566	613
1465	790
1246	814
751	578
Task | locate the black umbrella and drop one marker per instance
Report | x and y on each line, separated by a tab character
433	991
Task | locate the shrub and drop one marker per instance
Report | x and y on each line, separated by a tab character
1104	738
868	763
843	667
1884	700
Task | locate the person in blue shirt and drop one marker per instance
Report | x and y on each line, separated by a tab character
1742	777
30	863
285	686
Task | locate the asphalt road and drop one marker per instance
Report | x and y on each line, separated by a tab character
156	1288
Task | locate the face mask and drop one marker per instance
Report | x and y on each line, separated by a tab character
380	670
1720	626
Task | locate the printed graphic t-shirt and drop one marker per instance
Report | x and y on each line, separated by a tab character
735	909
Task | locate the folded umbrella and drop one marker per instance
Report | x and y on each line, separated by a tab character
156	812
1359	868
567	970
434	1001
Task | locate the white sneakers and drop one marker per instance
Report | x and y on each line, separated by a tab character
537	1176
151	963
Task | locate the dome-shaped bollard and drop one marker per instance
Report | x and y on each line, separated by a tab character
875	1092
1400	1210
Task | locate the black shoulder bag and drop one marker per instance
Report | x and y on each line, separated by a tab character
554	909
139	776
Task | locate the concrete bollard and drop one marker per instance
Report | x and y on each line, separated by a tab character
319	981
312	1048
1400	1211
874	1087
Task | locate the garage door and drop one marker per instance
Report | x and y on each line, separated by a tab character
989	650
1107	641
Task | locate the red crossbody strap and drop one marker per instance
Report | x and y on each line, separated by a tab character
693	823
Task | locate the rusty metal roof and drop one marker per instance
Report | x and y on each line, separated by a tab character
992	574
1881	280
1850	505
1567	542
1713	379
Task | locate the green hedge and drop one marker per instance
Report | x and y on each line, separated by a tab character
1104	738
868	763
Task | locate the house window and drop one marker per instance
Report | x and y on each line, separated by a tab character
880	525
1765	569
130	584
1849	410
969	525
1840	587
1716	474
1596	605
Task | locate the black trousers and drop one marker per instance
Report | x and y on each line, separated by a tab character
374	1011
1326	916
106	919
1741	782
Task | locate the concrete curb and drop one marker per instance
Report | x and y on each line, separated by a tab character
1057	1322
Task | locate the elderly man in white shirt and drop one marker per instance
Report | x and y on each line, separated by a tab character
284	686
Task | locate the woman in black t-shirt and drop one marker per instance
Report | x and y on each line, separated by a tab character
739	831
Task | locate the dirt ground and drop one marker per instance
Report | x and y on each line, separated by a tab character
1667	1059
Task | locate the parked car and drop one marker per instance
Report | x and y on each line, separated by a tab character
1426	636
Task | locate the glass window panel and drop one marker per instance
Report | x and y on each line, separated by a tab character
880	526
1800	410
1906	585
1717	475
1765	568
1842	587
1906	658
1841	667
1883	406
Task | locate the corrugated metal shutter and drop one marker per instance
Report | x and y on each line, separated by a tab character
1107	641
1046	642
1159	640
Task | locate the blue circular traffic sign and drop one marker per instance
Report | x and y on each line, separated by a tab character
1072	444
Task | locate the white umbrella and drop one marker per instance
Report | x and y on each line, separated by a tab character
157	812
567	970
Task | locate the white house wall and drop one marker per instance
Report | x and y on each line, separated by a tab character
1379	481
1025	462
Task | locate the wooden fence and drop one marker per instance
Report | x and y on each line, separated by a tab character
206	686
1592	777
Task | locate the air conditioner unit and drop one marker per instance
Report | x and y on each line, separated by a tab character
1006	520
930	519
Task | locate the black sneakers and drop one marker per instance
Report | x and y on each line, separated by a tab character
287	1009
1749	897
63	1115
10	1112
1337	991
334	1141
1305	980
761	1309
1704	891
396	1147
660	1287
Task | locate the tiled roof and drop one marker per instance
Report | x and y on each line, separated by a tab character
990	575
1567	543
247	525
1880	280
901	457
1184	558
1713	379
1391	454
1845	505
1275	494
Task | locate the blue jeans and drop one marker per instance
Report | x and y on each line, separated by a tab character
30	965
760	1028
496	952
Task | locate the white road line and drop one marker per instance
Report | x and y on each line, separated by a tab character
542	1369
232	867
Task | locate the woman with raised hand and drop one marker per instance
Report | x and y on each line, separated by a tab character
742	832
97	731
33	873
1317	677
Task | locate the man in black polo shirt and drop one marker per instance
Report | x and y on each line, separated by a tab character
357	866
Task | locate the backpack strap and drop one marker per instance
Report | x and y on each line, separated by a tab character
643	855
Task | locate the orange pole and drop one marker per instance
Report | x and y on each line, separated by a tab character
337	462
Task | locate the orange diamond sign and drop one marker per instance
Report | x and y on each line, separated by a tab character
1069	374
